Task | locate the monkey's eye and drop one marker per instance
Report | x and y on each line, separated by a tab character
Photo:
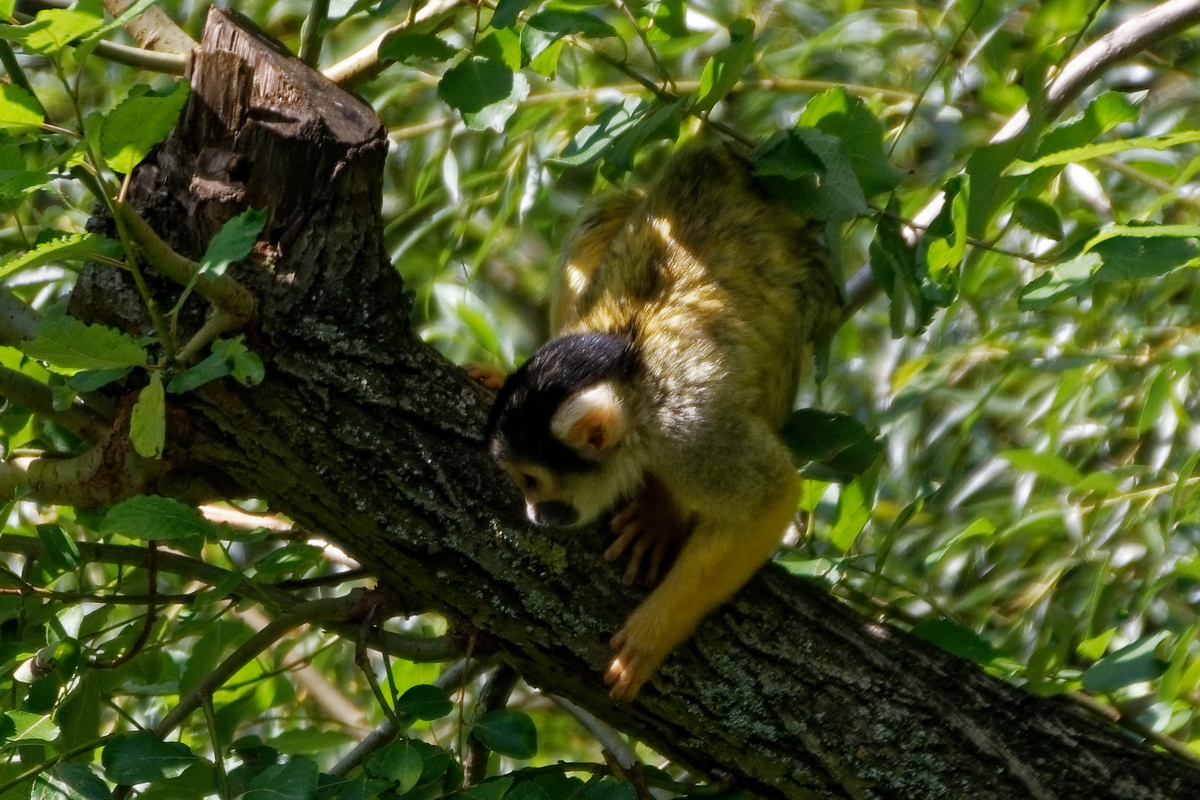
527	482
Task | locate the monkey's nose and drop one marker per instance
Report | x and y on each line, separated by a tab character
553	512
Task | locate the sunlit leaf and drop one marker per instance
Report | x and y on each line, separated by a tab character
155	518
148	421
68	346
142	120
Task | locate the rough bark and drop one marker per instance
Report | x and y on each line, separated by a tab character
362	432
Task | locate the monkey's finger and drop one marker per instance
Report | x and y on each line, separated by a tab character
635	561
657	556
628	535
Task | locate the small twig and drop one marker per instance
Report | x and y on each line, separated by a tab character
152	60
310	37
495	694
38	397
457	675
148	621
210	718
153	28
223	291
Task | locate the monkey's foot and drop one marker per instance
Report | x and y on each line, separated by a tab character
486	375
652	527
635	662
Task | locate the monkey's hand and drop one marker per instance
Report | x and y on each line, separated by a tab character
640	649
651	525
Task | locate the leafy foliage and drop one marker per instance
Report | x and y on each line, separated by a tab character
1010	461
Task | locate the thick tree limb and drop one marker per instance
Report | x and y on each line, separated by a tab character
363	433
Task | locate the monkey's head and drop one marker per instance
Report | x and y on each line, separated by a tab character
563	428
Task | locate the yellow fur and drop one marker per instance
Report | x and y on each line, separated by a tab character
697	302
724	291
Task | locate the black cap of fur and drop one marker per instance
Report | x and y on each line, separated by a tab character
519	426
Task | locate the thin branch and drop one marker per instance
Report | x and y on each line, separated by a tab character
153	28
314	611
224	292
149	619
38	397
495	694
152	60
311	37
456	676
18	321
367	63
1128	38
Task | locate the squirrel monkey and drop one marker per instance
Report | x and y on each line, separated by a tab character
683	318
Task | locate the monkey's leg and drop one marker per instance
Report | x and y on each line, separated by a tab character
652	524
716	561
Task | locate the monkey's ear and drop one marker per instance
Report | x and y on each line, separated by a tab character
591	422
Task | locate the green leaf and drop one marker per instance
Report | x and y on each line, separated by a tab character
1047	465
18	108
213	367
1156	400
618	132
550	786
60	547
66	247
1102	115
1038	217
485	91
507	732
830	193
1134	663
1075	155
233	242
297	557
840	444
1144	251
27	727
68	346
490	789
608	789
723	71
838	114
1073	278
400	762
70	780
943	246
142	120
566	22
154	518
425	702
954	638
53	29
228	357
148	421
143	757
403	45
853	512
507	11
92	380
1094	648
295	780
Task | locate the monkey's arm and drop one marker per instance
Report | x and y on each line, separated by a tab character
723	551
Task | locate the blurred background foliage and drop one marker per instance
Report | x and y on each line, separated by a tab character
1034	506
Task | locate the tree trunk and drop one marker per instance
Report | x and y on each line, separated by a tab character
364	434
